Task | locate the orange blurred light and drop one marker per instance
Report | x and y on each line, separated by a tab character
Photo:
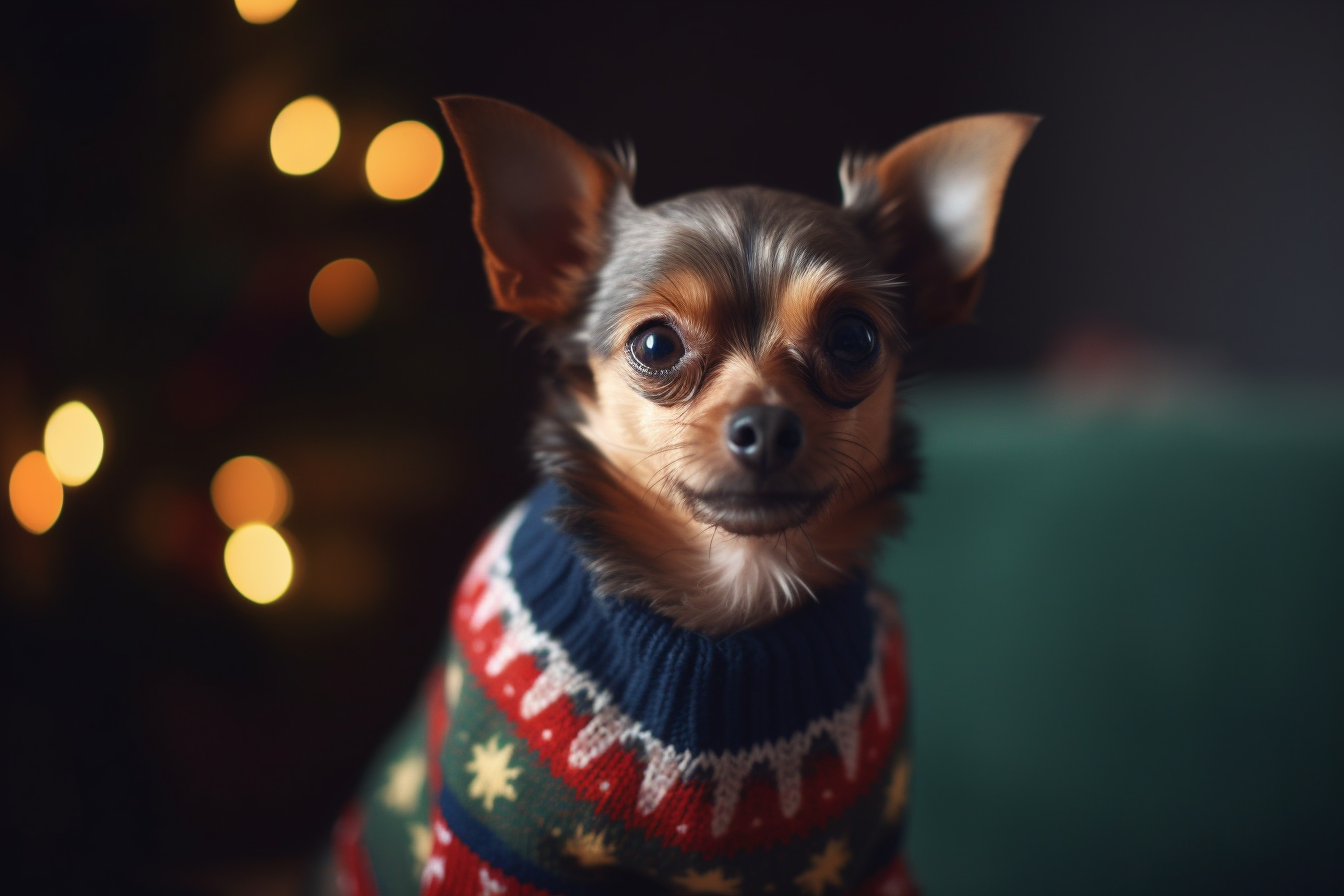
250	489
305	135
343	295
35	494
258	562
262	12
404	160
74	443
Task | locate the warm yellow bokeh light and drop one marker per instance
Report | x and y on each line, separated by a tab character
404	160
263	12
74	443
305	135
35	494
258	562
343	295
250	490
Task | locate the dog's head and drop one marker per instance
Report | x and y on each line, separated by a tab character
734	352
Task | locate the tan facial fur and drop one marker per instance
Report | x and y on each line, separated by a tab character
656	451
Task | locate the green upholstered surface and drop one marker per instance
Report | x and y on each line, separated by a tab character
1125	626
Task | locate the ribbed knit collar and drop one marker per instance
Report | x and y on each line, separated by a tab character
691	691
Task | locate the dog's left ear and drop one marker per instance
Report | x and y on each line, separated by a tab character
540	198
931	204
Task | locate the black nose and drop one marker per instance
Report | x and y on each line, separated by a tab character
765	438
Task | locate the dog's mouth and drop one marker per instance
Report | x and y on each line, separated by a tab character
753	511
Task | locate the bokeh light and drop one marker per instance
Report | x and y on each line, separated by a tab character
404	160
343	295
73	441
258	562
263	12
305	135
250	489
35	494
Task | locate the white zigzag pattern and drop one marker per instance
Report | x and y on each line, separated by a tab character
609	725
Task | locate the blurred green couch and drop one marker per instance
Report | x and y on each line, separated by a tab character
1125	620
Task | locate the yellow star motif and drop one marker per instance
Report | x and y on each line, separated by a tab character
452	685
712	881
825	868
897	790
493	776
405	780
590	848
422	844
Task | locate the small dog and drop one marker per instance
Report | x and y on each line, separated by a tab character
667	670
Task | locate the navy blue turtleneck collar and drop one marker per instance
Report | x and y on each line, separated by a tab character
691	691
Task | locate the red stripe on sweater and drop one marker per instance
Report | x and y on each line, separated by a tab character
353	869
611	782
454	870
436	726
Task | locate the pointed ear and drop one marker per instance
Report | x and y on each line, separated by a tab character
931	204
539	203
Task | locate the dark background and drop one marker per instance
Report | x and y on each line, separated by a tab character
1183	193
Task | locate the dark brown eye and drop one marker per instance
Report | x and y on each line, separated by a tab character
657	348
851	340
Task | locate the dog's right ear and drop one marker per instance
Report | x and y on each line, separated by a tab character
931	204
540	198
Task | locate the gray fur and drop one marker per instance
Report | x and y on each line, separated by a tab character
746	241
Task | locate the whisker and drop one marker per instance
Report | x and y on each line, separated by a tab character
808	538
818	557
653	480
872	483
595	438
667	480
839	438
846	480
659	451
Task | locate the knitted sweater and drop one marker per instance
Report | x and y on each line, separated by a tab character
573	744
